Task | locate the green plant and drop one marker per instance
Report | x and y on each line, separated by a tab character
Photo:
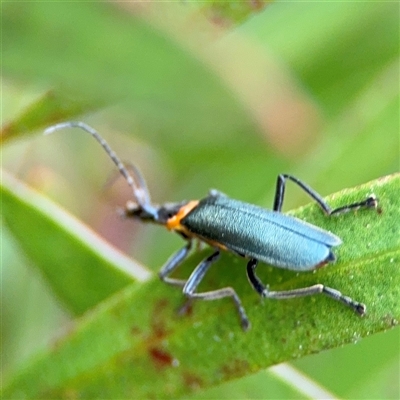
307	89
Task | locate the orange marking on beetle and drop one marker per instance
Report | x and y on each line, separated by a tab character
215	244
174	223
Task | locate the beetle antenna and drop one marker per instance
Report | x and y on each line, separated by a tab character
139	188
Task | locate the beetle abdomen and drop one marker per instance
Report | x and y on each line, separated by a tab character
272	237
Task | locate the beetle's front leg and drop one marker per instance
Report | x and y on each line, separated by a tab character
172	264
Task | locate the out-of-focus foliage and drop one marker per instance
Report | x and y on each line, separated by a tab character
306	88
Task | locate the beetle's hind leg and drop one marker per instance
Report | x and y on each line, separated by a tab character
263	291
369	202
197	276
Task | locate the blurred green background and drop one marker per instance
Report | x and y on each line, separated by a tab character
198	96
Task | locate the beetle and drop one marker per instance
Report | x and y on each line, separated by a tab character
244	229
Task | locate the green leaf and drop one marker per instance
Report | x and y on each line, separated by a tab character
81	268
341	63
231	12
213	113
135	345
114	53
169	78
52	106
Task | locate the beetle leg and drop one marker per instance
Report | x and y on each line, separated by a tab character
263	291
197	276
369	202
173	263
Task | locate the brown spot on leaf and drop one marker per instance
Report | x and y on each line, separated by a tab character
160	357
193	381
235	368
157	322
135	330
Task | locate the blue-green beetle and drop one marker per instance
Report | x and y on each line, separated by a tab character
244	229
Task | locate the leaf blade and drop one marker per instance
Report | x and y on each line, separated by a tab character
126	349
48	234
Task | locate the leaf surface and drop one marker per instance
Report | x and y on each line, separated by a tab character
134	345
81	268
